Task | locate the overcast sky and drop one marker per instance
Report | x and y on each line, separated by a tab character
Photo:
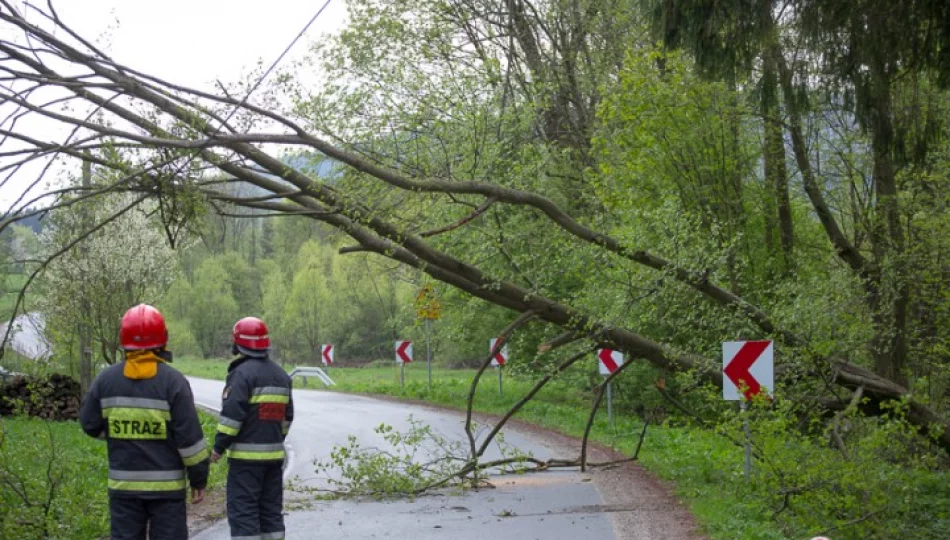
194	42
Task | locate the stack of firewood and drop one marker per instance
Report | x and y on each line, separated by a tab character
55	397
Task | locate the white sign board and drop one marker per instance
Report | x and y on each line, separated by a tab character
748	365
501	357
609	360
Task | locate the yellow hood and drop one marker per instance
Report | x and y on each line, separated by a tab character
141	364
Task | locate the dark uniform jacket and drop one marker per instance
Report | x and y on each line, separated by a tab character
152	430
256	411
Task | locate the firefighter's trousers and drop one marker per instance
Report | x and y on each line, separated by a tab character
164	519
255	500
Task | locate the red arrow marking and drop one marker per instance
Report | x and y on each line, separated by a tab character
606	356
326	354
500	358
499	351
738	368
401	351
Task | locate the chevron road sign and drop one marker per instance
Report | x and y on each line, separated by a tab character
747	365
403	352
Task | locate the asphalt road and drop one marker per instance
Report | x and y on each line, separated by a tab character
551	505
27	338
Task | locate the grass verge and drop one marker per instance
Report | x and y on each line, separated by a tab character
9	294
53	479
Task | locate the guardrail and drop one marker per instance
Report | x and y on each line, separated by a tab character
312	371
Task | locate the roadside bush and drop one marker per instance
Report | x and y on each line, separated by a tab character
52	481
861	478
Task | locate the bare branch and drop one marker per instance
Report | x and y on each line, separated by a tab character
477	212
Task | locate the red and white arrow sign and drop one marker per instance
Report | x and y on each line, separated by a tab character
747	365
327	355
609	360
403	352
501	356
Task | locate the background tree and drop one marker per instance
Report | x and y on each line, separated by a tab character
91	285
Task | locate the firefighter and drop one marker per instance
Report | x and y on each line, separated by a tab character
145	411
256	412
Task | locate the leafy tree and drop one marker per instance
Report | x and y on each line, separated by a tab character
92	284
213	309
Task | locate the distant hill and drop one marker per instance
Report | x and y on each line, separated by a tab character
34	222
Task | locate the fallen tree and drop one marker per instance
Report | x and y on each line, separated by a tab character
161	139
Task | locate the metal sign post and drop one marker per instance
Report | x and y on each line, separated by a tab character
428	308
609	361
428	355
402	376
748	439
610	406
498	360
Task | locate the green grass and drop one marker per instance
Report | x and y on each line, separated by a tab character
705	471
8	299
32	451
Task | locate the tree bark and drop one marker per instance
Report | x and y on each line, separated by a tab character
776	174
890	294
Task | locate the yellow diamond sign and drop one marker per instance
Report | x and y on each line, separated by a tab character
427	306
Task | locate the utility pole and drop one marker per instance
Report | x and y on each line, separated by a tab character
85	338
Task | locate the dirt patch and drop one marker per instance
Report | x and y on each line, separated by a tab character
210	511
640	505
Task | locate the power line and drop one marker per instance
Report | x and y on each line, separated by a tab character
279	58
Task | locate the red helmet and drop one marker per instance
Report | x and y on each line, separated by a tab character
143	327
251	333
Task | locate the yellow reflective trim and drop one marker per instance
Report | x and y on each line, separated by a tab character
130	413
270	398
197	458
227	430
240	454
135	485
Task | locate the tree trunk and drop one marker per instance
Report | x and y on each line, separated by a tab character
890	293
773	153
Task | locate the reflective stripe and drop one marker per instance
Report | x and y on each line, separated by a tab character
228	426
227	430
146	475
285	427
255	537
279	535
260	456
193	449
254	447
136	413
276	390
257	451
191	461
269	398
224	420
131	485
136	403
194	454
